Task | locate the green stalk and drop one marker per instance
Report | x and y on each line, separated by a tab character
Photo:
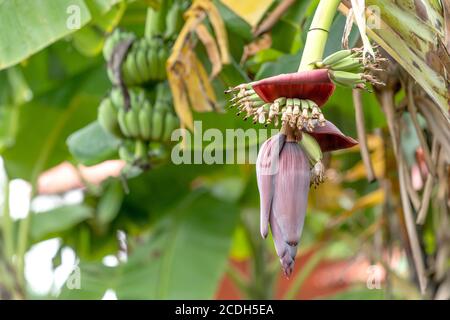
318	33
261	284
23	238
7	226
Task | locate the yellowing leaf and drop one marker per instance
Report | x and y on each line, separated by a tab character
195	87
250	11
370	200
181	103
208	89
219	29
211	49
188	78
358	171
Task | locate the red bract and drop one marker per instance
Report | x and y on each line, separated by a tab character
330	138
314	85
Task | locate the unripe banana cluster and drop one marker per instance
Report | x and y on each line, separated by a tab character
142	126
145	60
297	113
139	109
349	68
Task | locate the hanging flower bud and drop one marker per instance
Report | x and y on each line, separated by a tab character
283	174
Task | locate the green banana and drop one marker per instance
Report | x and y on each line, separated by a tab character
137	98
132	122
111	76
157	124
159	105
110	43
121	114
171	122
162	59
158	69
355	69
312	148
346	64
113	40
117	98
347	79
130	69
127	71
152	60
140	150
151	23
163	93
137	66
336	57
107	117
125	154
143	67
108	48
141	156
145	121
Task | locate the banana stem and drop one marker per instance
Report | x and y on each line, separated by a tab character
318	33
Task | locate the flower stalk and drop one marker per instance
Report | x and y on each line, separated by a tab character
318	33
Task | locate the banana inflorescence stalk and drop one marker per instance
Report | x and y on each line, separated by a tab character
286	158
293	99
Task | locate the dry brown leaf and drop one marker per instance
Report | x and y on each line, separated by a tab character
219	29
195	88
347	29
211	49
359	170
205	80
187	76
263	42
180	99
273	17
184	36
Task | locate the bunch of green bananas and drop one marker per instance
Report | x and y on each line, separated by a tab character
348	68
145	60
143	126
114	39
343	60
145	122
